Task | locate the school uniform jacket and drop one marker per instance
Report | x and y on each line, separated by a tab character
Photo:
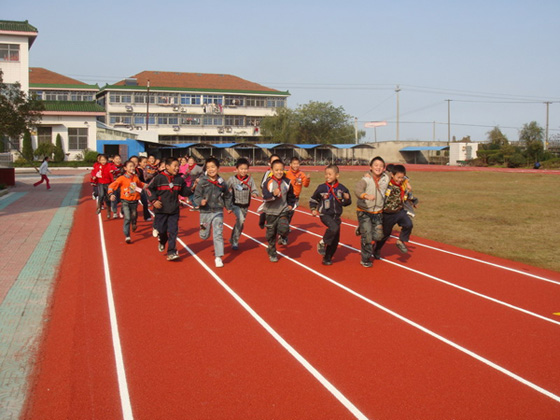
102	174
127	183
242	189
167	188
216	193
277	205
328	199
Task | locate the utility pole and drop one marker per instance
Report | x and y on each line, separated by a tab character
148	105
356	129
434	132
546	133
398	89
448	121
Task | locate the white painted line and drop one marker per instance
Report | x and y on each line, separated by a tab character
419	327
455	254
330	387
121	372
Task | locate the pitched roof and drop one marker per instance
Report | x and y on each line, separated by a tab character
13	26
196	81
40	77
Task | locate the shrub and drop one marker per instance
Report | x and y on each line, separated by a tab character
517	160
44	150
553	163
58	151
27	148
90	156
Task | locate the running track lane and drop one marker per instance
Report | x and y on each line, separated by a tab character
394	372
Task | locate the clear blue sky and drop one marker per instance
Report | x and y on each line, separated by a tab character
498	61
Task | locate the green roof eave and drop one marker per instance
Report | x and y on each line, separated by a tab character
60	86
72	106
17	26
176	89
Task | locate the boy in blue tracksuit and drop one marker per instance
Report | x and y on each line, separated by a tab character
163	192
327	202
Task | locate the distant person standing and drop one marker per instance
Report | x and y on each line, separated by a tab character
43	170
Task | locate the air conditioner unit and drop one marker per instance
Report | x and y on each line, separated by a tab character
175	108
221	130
176	128
129	108
229	129
183	109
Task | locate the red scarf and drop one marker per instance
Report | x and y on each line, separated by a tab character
332	188
244	180
401	187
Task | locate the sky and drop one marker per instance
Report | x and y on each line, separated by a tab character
489	63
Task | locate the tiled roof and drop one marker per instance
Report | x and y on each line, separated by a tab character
197	81
16	26
40	77
12	26
73	106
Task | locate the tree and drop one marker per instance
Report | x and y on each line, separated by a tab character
27	148
497	139
532	137
312	123
18	112
58	151
44	150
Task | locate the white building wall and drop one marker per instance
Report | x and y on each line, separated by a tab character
17	71
460	152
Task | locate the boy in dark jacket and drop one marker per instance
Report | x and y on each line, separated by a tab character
163	192
279	200
327	202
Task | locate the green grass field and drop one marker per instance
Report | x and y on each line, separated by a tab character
509	215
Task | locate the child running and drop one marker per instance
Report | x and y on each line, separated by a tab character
267	175
242	187
279	199
394	212
43	170
129	187
211	196
163	192
327	202
102	176
298	180
118	170
370	191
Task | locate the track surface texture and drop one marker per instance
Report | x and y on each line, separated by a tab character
439	333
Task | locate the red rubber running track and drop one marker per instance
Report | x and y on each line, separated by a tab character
440	333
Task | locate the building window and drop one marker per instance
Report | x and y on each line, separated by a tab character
77	138
256	102
120	119
187	99
234	101
275	102
190	120
211	120
9	52
168	99
44	135
120	98
212	99
235	120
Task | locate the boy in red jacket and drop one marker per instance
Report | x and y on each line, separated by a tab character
102	175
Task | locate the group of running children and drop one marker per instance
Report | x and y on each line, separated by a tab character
384	199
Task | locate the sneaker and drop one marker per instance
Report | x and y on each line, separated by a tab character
327	261
160	247
321	247
134	227
98	211
128	240
402	247
172	256
357	231
377	255
115	216
219	262
121	216
366	264
235	247
273	258
282	241
155	233
149	219
93	196
108	215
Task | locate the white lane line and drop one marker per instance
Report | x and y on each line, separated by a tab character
418	326
455	254
456	286
121	372
330	387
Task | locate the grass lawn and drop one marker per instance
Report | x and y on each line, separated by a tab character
509	215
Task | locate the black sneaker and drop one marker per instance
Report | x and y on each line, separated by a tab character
321	248
172	256
128	240
134	227
357	231
282	241
327	261
402	247
161	247
377	255
273	258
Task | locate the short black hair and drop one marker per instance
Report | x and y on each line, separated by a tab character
242	161
170	160
376	158
333	167
294	158
127	162
272	156
398	169
133	157
275	162
212	160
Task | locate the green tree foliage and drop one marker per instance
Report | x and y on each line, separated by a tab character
18	112
44	150
27	148
497	139
532	138
311	123
58	151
